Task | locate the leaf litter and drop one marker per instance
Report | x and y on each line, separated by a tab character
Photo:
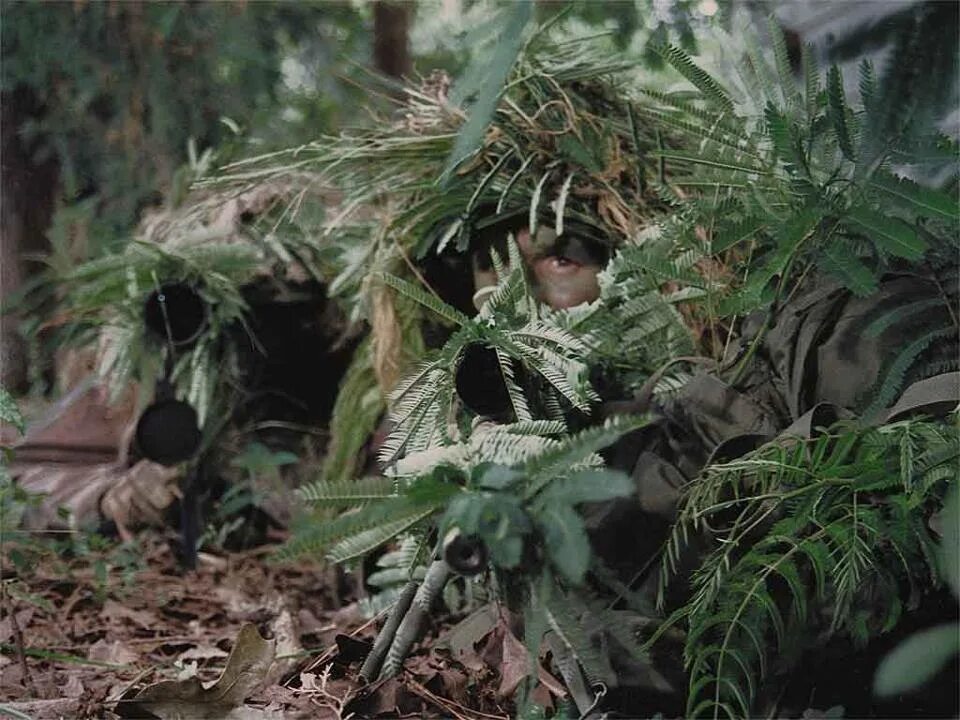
243	638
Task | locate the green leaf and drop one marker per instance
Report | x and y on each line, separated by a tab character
571	147
837	111
890	234
720	163
565	614
839	259
431	302
788	85
898	314
496	518
892	378
498	67
258	458
347	492
867	84
546	466
588	486
916	660
9	412
926	201
811	82
372	538
565	540
699	77
755	294
786	142
950	544
734	233
497	477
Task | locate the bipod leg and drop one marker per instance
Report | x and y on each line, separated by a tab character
190	516
370	669
585	697
409	628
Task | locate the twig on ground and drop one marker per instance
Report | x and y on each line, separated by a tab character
18	644
119	694
329	652
76	596
327	699
454	708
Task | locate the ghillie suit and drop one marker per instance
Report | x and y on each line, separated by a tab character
766	260
232	351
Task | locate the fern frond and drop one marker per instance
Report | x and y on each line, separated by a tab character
406	432
811	83
572	450
535	427
788	87
421	296
697	76
370	539
317	536
788	514
414	379
890	234
521	410
347	492
893	377
731	234
554	369
900	313
355	414
839	259
837	111
867	84
539	332
504	446
922	201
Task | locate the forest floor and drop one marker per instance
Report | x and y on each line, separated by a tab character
135	636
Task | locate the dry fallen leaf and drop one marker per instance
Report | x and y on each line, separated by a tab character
288	648
46	709
463	637
310	625
73	688
516	664
245	671
6	627
235	600
115	653
202	652
186	670
115	611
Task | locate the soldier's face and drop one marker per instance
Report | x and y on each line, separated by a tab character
562	275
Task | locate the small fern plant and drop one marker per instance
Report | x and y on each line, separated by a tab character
810	539
789	181
506	502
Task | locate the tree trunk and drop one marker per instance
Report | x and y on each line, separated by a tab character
27	192
391	46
